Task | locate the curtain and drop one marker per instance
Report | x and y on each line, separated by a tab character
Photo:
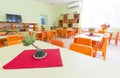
98	12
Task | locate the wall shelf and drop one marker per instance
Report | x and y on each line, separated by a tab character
10	26
69	19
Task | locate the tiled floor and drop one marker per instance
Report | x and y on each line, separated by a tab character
113	51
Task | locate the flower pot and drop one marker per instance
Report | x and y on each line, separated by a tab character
91	33
39	54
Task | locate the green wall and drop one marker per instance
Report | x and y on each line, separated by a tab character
30	10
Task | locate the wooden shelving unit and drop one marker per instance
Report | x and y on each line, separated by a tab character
19	26
70	20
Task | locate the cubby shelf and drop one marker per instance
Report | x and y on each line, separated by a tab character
11	26
68	20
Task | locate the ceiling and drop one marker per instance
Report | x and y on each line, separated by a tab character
58	2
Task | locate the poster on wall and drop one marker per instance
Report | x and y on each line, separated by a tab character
43	19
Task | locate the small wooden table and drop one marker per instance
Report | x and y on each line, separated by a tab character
96	36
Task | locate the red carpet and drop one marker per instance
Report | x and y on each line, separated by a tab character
25	60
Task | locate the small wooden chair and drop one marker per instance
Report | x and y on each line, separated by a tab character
84	41
115	38
84	49
43	35
57	42
49	36
103	48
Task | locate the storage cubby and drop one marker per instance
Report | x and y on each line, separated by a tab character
69	19
17	26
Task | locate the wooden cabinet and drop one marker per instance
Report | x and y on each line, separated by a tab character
19	26
69	19
30	26
6	26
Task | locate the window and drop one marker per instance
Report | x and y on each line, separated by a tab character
43	19
97	12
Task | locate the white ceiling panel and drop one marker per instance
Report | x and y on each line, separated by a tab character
58	2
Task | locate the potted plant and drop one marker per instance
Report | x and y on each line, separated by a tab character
7	31
29	40
91	30
104	27
16	31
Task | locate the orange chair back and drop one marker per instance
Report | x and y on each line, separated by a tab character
103	48
43	35
83	41
13	39
57	42
110	37
73	32
64	32
59	32
115	38
87	50
49	35
53	33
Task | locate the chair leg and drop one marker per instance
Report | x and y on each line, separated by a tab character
94	54
110	37
116	42
104	55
